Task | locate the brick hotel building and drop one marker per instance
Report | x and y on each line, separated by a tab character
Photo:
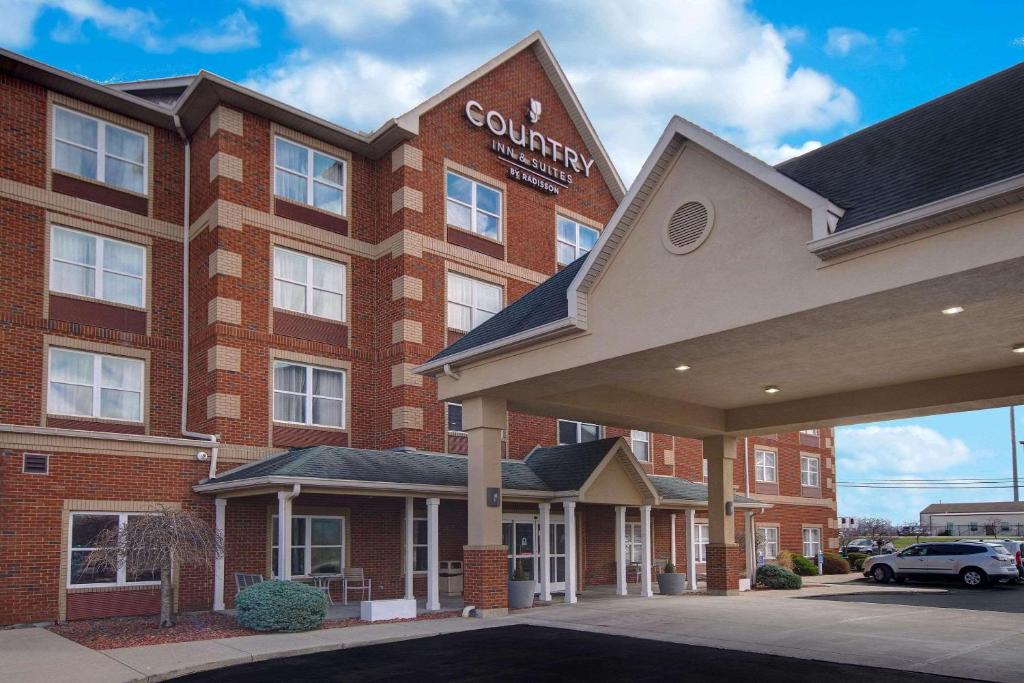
216	301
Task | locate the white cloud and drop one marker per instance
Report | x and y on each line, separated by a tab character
842	41
907	450
344	19
233	32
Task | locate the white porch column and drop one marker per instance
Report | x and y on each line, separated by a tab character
410	558
750	537
691	549
645	526
545	551
220	510
672	549
620	550
433	564
284	535
569	506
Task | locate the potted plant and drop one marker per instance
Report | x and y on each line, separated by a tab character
671	582
520	588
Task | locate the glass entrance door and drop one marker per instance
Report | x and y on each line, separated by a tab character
521	534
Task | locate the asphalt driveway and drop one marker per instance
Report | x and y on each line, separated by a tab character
535	653
1006	598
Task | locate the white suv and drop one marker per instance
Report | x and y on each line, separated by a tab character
975	563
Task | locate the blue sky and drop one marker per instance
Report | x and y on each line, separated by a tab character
775	77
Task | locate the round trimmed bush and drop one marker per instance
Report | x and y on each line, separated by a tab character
835	564
804	566
777	578
856	560
281	606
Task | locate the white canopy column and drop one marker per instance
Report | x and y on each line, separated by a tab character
220	514
750	541
433	565
569	506
672	547
545	551
691	549
620	550
645	529
409	550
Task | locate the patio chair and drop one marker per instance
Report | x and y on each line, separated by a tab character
243	581
323	583
354	579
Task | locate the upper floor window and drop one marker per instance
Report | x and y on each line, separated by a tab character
471	301
473	206
704	469
641	444
307	176
307	284
97	267
570	431
454	417
101	151
764	466
94	385
309	395
809	472
574	240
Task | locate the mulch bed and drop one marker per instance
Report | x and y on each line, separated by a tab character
106	634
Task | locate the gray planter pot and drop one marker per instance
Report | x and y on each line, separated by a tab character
672	584
520	594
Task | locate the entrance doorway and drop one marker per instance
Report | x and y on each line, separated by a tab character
521	535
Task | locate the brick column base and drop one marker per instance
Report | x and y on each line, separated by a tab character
485	580
723	568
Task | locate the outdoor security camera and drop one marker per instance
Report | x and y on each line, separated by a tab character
202	456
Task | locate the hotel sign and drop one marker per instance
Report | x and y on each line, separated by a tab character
532	157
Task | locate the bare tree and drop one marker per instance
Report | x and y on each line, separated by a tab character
878	529
157	542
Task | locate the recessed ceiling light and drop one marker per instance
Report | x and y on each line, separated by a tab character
1018	348
952	310
771	389
682	368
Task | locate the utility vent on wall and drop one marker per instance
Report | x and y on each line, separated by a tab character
688	227
35	463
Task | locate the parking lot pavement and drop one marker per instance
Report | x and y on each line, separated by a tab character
1001	598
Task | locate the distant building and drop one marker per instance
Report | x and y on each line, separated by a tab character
848	522
962	519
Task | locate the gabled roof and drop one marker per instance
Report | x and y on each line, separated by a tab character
567	468
674	488
980	508
967	139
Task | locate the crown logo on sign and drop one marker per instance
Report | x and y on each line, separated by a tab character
533	113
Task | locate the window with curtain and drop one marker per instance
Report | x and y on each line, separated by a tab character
570	431
85	527
473	206
700	542
90	148
769	541
97	267
573	239
307	284
812	542
308	395
306	176
809	471
764	466
471	301
318	545
641	444
94	385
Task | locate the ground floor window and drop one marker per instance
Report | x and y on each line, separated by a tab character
318	545
700	543
812	542
419	544
634	543
769	541
85	527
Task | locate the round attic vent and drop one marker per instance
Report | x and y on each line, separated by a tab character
688	227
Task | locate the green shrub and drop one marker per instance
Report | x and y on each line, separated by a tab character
777	578
804	566
669	568
281	606
835	564
856	560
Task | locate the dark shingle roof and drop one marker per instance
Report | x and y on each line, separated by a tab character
967	139
674	488
981	508
566	468
543	304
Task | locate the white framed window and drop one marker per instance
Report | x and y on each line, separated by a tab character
471	301
307	284
764	466
419	544
700	542
810	471
91	148
318	544
812	542
454	417
97	267
306	176
309	395
570	431
634	543
83	530
473	206
573	239
704	469
94	385
769	541
640	442
811	432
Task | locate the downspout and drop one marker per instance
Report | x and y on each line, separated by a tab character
746	464
186	209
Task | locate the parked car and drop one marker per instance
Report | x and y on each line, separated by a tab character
1012	546
973	562
861	545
